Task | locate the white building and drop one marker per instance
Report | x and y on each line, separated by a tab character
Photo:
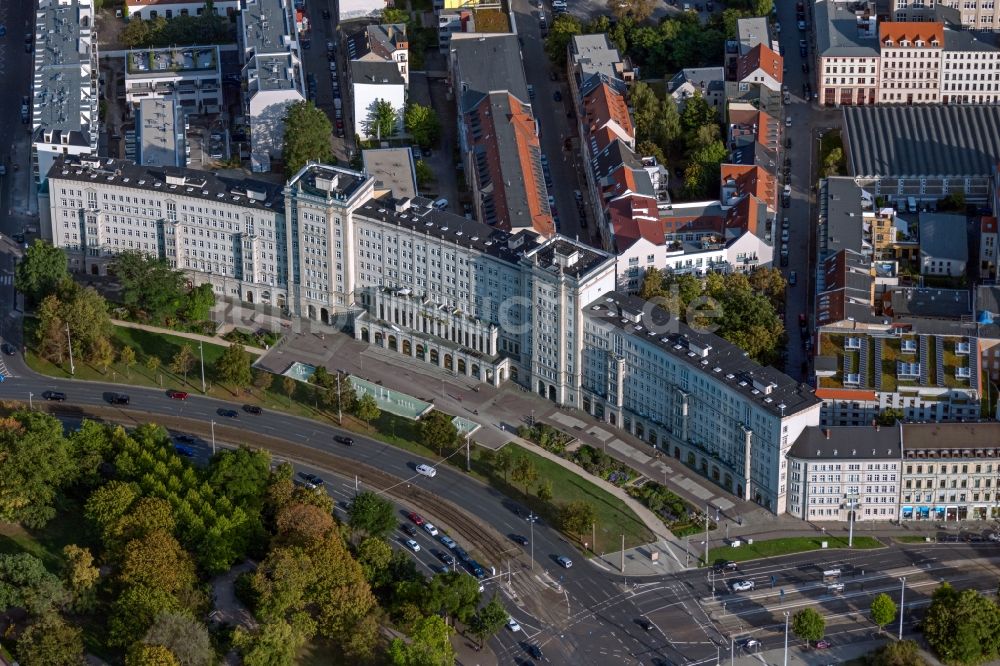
269	51
694	395
372	82
847	52
150	9
351	10
970	67
65	96
910	62
224	232
386	42
191	75
832	471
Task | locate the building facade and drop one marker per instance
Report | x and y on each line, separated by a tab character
847	53
693	395
910	62
833	472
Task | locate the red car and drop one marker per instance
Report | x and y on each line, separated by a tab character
178	395
416	518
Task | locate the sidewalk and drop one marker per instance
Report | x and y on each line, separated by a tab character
208	339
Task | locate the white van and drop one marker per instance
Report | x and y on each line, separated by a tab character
440	204
427	471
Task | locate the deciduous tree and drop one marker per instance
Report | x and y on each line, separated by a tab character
183	361
962	627
577	518
242	475
127	357
307	137
40	271
437	431
429	644
234	367
503	461
489	620
149	284
186	638
141	654
883	610
367	408
524	473
50	641
35	464
26	583
80	576
564	27
808	625
544	491
382	121
371	514
289	385
637	10
423	125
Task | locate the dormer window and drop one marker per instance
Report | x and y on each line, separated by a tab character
888	42
904	42
934	42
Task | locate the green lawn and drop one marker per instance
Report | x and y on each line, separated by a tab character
47	542
787	546
613	518
912	539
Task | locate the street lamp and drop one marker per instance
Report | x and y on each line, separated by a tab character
213	437
531	539
786	638
31	395
201	352
852	504
902	605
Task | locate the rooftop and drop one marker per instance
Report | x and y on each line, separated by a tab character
950	436
846	33
847	443
488	63
393	169
934	140
274	72
702	78
171	181
376	72
841	209
943	236
926	302
752	31
326	181
970	40
159	126
594	55
65	85
268	26
171	61
708	354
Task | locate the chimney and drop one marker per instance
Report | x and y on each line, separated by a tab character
826	432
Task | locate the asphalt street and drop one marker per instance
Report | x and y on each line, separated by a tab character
15	72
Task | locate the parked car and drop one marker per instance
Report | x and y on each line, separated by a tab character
823	644
311	481
430	529
409	529
416	518
793	278
57	396
413	545
447	542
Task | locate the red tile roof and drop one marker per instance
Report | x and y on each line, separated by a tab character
753	180
603	105
911	31
760	57
988	225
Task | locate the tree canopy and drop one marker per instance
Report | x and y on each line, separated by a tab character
307	137
423	125
962	627
37	467
371	514
437	431
40	271
808	625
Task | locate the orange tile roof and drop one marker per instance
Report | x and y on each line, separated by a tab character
760	57
845	394
752	179
603	105
988	225
523	123
911	31
744	215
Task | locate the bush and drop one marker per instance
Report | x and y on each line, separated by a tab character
262	339
546	437
601	464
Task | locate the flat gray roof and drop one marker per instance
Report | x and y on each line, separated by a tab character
933	141
392	168
488	63
752	31
594	54
375	72
64	44
157	133
929	302
943	236
266	23
842	35
844	221
272	72
725	362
